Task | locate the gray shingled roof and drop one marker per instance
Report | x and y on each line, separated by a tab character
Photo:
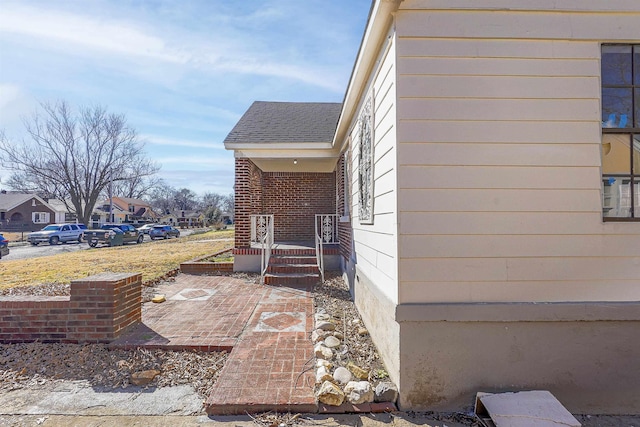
290	122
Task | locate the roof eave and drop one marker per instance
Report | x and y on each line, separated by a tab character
380	19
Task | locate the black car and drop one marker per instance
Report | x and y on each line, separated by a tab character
163	232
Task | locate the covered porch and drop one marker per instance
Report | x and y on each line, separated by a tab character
286	187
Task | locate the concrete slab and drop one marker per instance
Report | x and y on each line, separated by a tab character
80	398
535	408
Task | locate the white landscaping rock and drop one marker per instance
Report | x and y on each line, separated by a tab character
342	375
326	326
358	392
325	363
330	394
319	317
318	335
331	342
322	352
322	375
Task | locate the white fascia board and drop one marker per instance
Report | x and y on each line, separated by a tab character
287	154
380	20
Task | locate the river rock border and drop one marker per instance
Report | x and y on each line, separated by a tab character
342	386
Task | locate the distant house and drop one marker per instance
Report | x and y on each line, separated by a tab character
189	218
25	212
482	174
127	210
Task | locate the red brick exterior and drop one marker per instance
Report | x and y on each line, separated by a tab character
294	198
99	309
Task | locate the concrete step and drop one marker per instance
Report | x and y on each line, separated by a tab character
291	279
293	268
289	259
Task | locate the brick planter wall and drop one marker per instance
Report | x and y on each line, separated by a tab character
99	309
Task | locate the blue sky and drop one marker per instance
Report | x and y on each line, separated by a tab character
183	72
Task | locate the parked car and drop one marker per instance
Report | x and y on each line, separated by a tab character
56	233
4	246
145	228
108	232
163	232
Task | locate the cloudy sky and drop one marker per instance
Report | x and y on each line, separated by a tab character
183	72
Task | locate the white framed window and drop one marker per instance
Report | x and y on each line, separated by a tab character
40	217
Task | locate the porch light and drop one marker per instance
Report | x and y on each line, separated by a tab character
295	161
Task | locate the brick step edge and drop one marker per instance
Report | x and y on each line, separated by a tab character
277	259
298	269
252	408
271	279
350	408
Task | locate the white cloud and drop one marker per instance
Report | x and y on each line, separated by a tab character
200	161
55	26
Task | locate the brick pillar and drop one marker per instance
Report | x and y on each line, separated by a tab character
242	208
103	306
248	200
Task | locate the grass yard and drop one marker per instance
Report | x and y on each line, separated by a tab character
152	259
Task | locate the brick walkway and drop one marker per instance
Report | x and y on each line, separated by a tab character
266	328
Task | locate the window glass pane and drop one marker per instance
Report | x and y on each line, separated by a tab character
636	65
616	197
617	108
616	65
637	97
616	154
636	195
636	154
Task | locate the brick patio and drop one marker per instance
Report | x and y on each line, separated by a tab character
265	328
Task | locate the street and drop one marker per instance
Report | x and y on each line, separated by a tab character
26	250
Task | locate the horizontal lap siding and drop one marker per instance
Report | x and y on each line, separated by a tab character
376	244
499	182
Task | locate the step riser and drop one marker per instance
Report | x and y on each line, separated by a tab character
292	260
306	269
291	281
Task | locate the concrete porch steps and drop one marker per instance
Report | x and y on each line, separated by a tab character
291	279
290	269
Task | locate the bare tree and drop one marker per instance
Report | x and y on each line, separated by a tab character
161	197
73	157
185	199
211	200
229	204
141	180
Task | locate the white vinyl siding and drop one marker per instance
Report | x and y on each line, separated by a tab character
499	133
376	244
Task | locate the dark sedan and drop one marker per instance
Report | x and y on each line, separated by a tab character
163	232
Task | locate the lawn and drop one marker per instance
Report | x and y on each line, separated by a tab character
152	259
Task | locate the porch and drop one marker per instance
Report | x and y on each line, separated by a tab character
298	262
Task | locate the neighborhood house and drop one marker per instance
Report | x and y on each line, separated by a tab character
479	188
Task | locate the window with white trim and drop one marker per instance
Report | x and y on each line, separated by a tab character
40	217
621	132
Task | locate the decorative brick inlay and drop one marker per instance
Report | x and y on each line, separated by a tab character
99	309
281	322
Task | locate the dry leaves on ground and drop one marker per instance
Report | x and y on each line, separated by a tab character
31	365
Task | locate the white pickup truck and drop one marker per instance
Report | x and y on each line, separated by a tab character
57	233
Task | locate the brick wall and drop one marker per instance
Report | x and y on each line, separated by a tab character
99	309
248	199
294	199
